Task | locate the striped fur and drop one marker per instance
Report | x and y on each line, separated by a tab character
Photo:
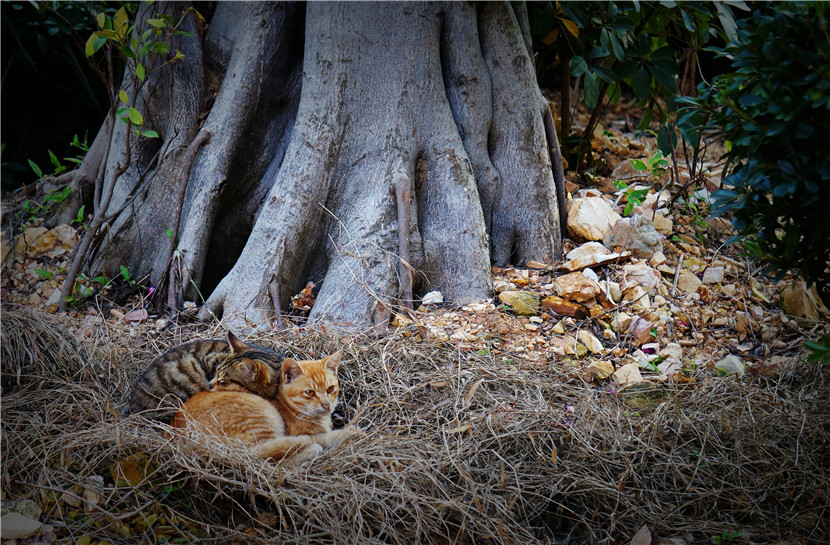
185	370
296	423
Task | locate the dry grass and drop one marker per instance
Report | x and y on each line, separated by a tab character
459	449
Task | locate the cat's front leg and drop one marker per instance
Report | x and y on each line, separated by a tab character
336	437
297	447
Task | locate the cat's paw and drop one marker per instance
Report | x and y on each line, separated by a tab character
336	437
308	451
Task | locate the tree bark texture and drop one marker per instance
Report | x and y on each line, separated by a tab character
319	115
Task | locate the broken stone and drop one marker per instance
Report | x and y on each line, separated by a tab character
672	350
688	282
139	316
621	322
523	303
662	224
591	218
713	275
25	242
587	249
614	291
400	320
590	341
576	287
16	526
627	374
731	365
638	296
635	234
564	307
641	331
558	328
642	275
600	370
669	366
589	273
659	258
564	345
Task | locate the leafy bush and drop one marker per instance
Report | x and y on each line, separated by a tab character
774	113
641	46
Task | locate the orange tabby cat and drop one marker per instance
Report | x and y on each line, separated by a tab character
297	422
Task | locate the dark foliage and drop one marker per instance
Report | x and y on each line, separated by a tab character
773	110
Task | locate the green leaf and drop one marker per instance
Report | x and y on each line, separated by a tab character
140	72
89	48
43	274
591	92
664	141
125	274
101	19
54	159
135	117
169	233
578	66
637	164
120	22
648	114
183	33
161	48
157	23
150	134
38	172
122	96
616	48
642	83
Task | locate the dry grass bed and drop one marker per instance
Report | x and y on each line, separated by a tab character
460	447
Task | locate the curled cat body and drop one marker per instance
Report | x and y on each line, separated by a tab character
296	423
185	370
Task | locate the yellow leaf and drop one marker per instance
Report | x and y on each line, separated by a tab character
120	22
571	27
83	540
461	429
131	471
551	37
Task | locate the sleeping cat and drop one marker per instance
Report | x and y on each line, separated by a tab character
297	423
185	370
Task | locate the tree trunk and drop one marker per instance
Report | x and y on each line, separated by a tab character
323	115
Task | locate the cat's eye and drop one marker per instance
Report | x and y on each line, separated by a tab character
331	389
309	393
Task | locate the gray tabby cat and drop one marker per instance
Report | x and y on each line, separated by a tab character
183	371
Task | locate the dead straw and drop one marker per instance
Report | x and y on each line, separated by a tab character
459	448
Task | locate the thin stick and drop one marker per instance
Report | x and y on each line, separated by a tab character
403	188
274	291
174	287
677	274
558	169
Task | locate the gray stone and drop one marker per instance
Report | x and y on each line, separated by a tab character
731	365
636	234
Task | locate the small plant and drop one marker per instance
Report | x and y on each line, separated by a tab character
656	165
819	351
125	274
725	538
633	197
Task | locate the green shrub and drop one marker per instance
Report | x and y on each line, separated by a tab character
774	112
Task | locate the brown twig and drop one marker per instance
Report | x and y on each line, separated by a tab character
403	188
175	286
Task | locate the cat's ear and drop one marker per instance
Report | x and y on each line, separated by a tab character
250	369
290	370
236	344
332	362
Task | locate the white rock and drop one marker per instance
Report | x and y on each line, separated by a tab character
590	274
589	248
432	298
672	350
591	218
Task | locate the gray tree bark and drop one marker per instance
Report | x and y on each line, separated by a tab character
323	114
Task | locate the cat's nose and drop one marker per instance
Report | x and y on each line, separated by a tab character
325	405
